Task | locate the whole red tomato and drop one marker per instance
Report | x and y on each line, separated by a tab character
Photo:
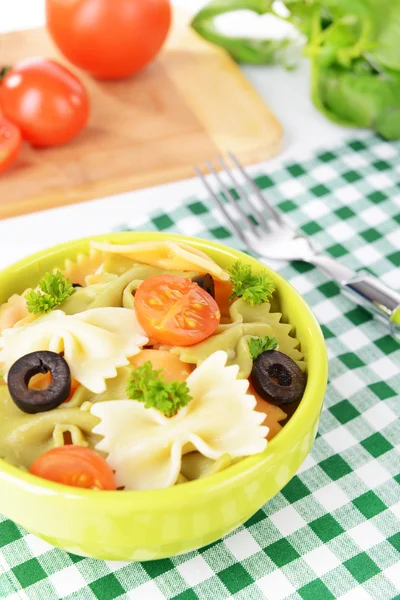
45	100
110	39
10	143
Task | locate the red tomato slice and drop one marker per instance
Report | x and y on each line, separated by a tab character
76	466
10	143
175	311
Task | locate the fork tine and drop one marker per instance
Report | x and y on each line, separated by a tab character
273	212
231	199
245	197
216	198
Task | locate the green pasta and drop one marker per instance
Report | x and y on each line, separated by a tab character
197	466
128	297
25	437
75	434
117	264
232	337
106	294
116	387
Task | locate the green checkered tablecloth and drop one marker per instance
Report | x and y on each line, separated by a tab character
333	531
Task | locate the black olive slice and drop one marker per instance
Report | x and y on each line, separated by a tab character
277	378
206	282
76	285
37	401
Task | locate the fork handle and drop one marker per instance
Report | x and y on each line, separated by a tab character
365	289
372	293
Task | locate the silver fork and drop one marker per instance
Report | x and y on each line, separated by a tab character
273	237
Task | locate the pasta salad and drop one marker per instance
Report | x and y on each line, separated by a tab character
142	366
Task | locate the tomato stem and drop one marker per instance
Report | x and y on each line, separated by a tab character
3	71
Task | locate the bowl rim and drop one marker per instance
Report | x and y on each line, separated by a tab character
178	494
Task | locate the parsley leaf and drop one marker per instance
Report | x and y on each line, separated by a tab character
253	288
262	344
53	290
147	385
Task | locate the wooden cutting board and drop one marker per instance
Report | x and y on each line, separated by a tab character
192	103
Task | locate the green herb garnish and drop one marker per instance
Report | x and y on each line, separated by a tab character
253	288
262	344
149	386
53	290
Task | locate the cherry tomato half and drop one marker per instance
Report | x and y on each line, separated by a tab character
175	311
76	466
10	143
45	100
110	39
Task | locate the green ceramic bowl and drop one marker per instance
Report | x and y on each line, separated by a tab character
147	525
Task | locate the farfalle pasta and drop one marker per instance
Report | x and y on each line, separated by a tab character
132	362
166	255
246	321
94	342
84	266
145	447
24	437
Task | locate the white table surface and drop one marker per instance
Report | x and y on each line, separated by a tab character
286	92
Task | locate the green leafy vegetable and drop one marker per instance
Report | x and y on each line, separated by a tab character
364	99
254	288
258	345
248	50
53	290
149	386
353	46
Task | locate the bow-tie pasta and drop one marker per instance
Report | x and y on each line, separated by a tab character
95	342
145	448
246	321
166	255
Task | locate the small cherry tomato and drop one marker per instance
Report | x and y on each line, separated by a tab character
10	143
173	369
45	100
76	466
175	311
110	39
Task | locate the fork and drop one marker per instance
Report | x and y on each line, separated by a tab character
273	237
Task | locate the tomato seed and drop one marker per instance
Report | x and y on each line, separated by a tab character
191	323
180	320
154	301
173	294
